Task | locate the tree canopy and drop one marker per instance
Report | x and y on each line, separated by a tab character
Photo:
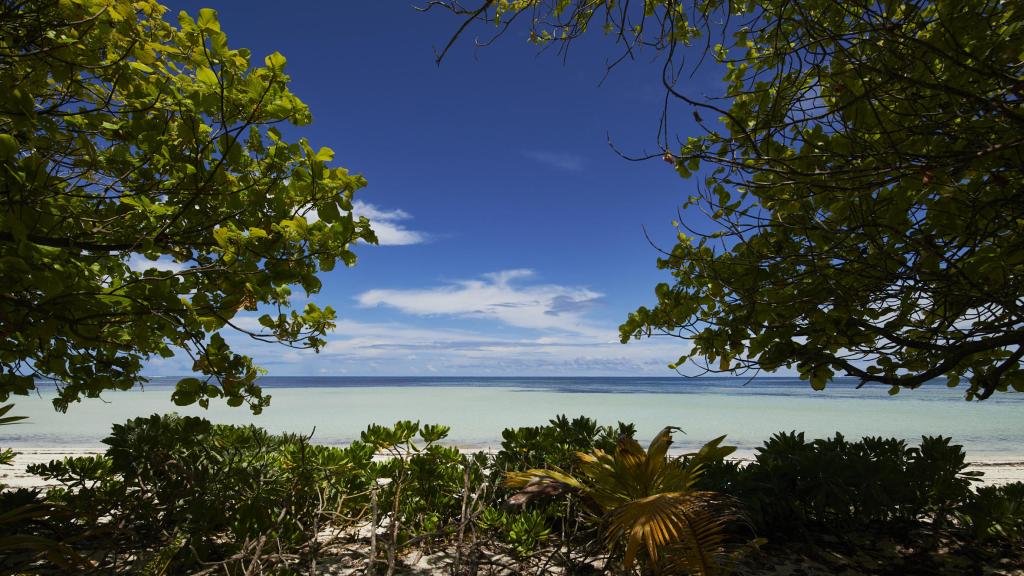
146	198
863	167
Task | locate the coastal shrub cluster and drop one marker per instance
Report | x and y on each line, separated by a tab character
181	491
797	485
175	495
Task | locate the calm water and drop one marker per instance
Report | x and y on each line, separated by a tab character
335	410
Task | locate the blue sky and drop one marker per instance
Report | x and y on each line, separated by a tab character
512	235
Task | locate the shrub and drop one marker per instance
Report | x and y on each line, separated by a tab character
556	444
522	533
995	512
184	483
937	471
422	480
794	485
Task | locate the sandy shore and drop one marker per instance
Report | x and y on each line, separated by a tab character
997	470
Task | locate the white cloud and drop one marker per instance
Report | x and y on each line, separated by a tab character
248	322
559	160
139	263
374	213
398	348
388	225
497	297
553	336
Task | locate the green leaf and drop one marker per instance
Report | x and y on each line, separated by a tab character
325	154
8	146
275	62
219	44
187	391
207	76
208	20
185	21
222	236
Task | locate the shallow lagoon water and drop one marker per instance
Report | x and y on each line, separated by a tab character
336	410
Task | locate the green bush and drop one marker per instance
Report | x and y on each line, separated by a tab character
421	483
996	512
27	533
937	471
556	444
205	490
796	485
522	533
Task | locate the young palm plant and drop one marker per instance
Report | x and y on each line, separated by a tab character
647	504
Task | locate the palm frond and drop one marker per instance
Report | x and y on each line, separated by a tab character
702	548
9	419
521	479
647	502
659	446
664	525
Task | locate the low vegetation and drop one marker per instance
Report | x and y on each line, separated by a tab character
175	495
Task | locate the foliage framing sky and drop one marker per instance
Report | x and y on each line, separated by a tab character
512	235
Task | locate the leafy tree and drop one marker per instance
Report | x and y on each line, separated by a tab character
146	197
863	165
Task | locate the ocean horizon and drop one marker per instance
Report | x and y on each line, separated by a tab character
335	409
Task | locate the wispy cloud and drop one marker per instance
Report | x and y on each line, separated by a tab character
499	296
555	334
558	160
399	348
388	224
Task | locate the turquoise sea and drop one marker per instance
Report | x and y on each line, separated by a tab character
336	409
